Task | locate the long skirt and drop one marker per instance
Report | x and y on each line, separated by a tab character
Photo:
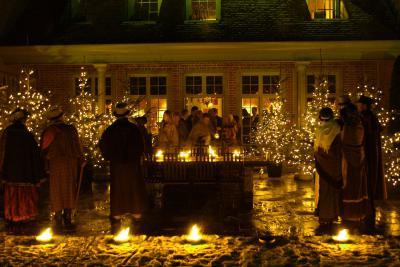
20	202
128	189
63	183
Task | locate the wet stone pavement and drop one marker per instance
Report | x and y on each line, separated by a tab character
280	230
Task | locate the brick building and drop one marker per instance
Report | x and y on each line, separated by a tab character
228	54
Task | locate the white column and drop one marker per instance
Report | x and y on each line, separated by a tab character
301	68
101	79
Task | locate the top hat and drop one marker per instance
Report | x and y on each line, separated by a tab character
54	113
121	109
18	114
365	100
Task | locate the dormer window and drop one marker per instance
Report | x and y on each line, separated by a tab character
203	10
327	9
143	10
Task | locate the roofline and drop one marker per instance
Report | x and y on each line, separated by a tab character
200	52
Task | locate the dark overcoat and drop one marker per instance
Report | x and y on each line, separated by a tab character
122	144
373	155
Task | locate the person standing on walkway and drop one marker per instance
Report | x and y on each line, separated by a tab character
356	203
328	162
122	144
373	154
63	152
21	171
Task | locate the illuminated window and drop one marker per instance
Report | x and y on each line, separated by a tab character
327	9
143	10
153	91
258	90
203	10
204	91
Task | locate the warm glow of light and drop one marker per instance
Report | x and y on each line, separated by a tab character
194	234
343	236
236	153
216	135
184	155
122	236
211	152
159	154
45	236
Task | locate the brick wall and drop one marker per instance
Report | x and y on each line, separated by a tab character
60	78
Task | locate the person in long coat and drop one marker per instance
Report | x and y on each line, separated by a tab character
122	144
328	162
63	152
356	203
21	170
373	153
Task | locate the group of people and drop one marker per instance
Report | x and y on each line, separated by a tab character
197	128
25	164
348	160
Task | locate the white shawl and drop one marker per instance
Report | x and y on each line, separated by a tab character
325	134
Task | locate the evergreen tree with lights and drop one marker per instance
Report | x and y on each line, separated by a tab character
274	133
27	98
303	149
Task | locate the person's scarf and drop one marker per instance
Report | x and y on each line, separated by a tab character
325	134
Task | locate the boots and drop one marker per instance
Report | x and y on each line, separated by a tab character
58	220
67	217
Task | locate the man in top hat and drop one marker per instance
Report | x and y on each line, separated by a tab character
21	170
63	152
122	144
373	153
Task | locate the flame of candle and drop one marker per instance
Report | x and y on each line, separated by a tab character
45	236
342	236
211	152
159	153
194	234
122	236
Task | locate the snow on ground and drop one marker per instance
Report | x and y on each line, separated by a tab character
282	217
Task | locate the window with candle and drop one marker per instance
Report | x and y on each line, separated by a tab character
204	91
203	10
153	92
258	90
327	9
